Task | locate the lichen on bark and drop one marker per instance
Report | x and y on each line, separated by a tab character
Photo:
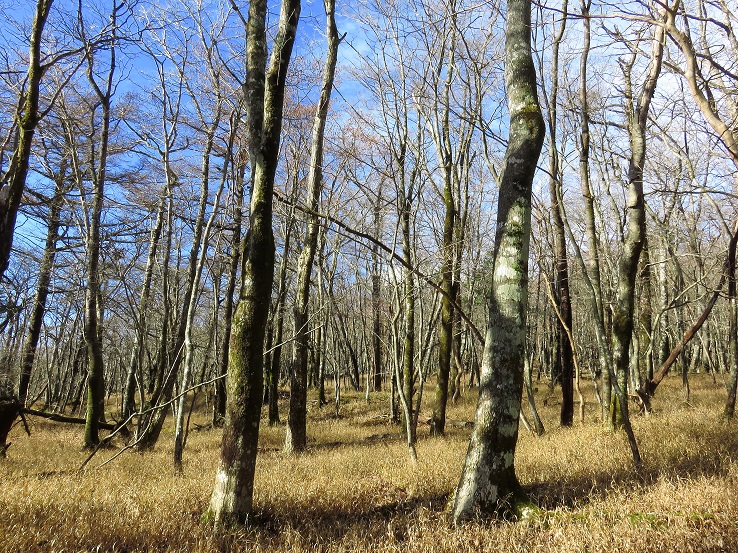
488	482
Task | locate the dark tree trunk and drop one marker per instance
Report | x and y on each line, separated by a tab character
13	182
42	289
565	357
93	296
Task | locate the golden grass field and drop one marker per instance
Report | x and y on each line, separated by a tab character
350	494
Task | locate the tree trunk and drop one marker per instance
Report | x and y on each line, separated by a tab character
623	318
232	498
407	390
141	325
729	410
589	211
565	347
42	289
488	476
296	437
179	430
93	298
376	294
173	354
14	181
649	388
442	138
646	330
219	402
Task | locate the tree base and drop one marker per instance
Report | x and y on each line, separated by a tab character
515	506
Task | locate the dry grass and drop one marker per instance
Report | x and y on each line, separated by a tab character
350	494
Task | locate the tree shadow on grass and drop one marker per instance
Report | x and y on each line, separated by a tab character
274	528
700	452
679	451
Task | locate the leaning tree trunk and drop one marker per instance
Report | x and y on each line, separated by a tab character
296	437
42	289
143	302
172	354
649	388
232	498
179	430
14	181
488	475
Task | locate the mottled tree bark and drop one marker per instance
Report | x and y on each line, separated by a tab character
232	498
623	319
645	329
488	476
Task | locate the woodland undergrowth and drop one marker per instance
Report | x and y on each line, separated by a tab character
355	489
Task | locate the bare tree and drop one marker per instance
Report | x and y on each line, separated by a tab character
488	476
232	497
13	181
296	437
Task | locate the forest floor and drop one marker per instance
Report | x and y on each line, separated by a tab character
355	488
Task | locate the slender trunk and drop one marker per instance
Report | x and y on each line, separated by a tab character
376	295
646	330
141	325
179	430
538	427
275	363
408	357
296	437
93	297
589	210
175	353
444	148
219	402
13	182
649	388
623	318
729	410
565	347
42	289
